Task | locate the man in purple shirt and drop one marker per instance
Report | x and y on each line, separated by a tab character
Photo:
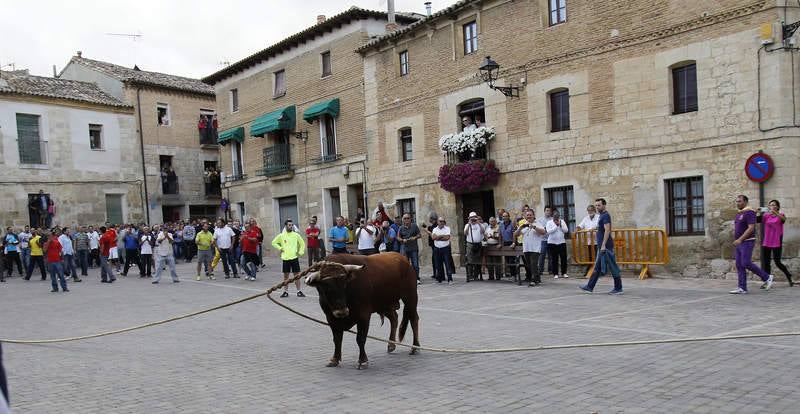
745	239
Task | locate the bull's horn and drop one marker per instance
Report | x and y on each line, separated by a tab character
350	268
311	277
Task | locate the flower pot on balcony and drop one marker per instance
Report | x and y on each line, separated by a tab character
468	176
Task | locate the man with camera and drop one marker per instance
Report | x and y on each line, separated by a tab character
365	234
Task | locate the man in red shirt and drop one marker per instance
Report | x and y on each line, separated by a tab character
249	242
255	227
107	241
53	250
313	246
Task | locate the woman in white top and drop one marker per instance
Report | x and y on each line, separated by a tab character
493	238
557	245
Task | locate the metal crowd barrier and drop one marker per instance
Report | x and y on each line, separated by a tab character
643	247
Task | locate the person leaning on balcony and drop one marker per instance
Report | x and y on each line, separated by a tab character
466	124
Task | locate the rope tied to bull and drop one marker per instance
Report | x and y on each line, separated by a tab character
286	282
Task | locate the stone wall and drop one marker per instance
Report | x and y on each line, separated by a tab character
624	141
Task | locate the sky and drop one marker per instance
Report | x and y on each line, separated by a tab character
188	38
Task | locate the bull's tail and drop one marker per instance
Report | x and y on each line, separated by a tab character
403	325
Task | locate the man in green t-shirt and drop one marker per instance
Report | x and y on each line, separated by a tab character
204	241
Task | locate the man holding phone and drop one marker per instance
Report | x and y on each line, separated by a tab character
532	235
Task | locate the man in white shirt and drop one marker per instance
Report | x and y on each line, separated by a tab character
223	237
532	233
94	247
557	245
164	254
441	250
68	257
587	224
543	255
473	231
365	234
24	247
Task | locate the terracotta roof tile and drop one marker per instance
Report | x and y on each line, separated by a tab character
143	77
24	84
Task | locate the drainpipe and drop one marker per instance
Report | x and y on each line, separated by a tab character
141	148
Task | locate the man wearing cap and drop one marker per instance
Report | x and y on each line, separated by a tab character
473	232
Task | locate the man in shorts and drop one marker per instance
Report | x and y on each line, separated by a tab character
204	241
291	246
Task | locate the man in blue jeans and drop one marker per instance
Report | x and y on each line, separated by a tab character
407	237
606	262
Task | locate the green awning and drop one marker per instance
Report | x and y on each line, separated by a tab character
282	119
323	108
236	134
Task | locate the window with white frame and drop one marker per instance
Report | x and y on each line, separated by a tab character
326	63
470	37
279	83
327	133
404	63
95	137
162	110
234	96
558	12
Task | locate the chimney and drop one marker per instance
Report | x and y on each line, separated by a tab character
391	25
428	8
79	53
320	19
55	74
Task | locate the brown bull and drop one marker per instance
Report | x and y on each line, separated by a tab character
352	288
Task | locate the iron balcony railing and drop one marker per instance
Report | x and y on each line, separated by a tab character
276	161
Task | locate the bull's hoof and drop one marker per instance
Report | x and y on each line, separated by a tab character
363	365
414	351
333	363
391	348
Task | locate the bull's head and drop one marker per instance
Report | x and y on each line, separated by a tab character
331	281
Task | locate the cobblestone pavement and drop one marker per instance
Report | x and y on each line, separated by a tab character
256	357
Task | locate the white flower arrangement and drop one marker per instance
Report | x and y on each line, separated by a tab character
467	140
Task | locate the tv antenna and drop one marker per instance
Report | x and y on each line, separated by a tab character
133	36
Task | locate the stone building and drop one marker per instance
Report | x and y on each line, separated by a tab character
169	112
74	143
292	122
653	105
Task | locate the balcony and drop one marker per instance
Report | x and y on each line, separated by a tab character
237	174
208	136
169	184
276	161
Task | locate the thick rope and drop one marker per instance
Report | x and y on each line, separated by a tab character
286	282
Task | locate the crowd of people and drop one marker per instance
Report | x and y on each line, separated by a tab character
64	252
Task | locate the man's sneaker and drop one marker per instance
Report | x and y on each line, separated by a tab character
197	278
211	277
555	276
235	275
585	288
251	278
176	281
565	276
449	282
737	291
285	294
768	283
227	276
615	292
300	294
419	282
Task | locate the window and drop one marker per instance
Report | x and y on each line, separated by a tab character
470	38
237	162
407	205
32	148
684	89
95	137
558	11
207	127
114	208
287	210
404	63
559	111
405	144
326	64
280	84
234	100
685	209
563	200
203	211
471	115
327	134
163	114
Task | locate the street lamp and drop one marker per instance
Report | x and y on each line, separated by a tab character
489	72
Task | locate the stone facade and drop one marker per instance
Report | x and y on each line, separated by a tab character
615	58
311	186
179	140
80	180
